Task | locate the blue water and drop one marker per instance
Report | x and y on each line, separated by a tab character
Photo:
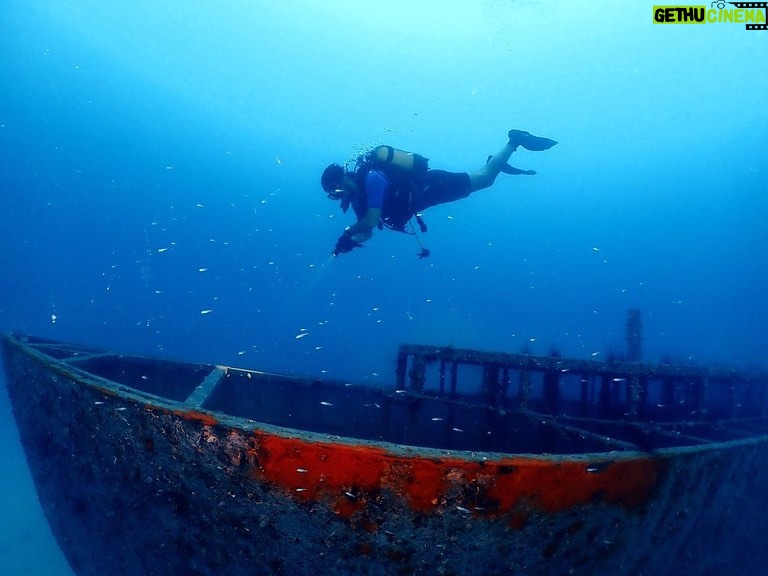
159	184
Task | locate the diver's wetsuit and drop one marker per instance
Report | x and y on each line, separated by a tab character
441	186
399	201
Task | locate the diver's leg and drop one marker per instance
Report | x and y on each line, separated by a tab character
486	176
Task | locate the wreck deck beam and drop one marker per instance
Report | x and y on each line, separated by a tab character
631	390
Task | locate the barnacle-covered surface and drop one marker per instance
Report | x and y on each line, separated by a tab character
136	483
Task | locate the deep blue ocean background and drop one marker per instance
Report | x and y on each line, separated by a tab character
159	187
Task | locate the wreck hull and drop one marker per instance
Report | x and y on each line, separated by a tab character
142	486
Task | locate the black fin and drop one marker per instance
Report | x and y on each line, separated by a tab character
507	169
529	141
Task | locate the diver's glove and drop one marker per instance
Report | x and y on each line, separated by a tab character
345	244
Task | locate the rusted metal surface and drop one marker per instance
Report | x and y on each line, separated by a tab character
136	483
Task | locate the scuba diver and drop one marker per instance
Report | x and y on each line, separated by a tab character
388	187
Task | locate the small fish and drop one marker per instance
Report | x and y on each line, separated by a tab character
301	470
462	509
457	430
325	403
301	335
437	419
301	489
206	311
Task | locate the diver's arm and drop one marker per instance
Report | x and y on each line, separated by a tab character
362	230
359	232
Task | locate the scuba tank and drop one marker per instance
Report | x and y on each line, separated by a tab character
385	157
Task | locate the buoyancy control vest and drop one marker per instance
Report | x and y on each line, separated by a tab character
405	172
